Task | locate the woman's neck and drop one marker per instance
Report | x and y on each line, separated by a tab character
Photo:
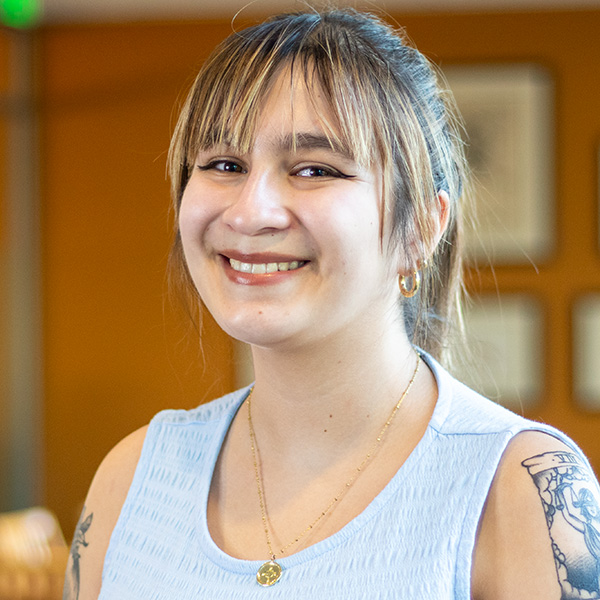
333	394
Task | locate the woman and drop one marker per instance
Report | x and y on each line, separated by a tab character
317	178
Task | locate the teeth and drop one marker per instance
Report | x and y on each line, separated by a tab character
260	268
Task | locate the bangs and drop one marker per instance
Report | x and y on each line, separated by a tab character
228	114
228	96
364	106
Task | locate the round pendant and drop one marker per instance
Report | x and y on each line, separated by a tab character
269	573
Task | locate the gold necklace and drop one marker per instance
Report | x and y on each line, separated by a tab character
269	572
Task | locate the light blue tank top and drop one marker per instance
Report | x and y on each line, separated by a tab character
414	541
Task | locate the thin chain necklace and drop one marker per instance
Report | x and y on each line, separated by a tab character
270	572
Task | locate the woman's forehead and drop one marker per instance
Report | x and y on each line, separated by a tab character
297	114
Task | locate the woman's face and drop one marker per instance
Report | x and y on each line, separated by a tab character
283	242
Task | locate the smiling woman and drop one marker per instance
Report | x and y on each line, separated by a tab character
368	105
291	199
317	181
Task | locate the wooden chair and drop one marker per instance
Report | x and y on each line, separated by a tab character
33	555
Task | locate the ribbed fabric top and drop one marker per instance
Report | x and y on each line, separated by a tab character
414	541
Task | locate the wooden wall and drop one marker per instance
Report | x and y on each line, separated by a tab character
114	355
568	45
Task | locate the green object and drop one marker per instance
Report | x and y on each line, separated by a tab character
20	13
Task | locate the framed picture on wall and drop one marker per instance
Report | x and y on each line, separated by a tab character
586	351
506	359
508	115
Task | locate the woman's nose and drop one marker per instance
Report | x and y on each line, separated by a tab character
258	205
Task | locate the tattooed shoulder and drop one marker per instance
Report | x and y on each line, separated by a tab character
73	575
571	499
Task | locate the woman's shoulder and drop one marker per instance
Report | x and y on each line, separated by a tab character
462	410
204	413
115	476
536	531
102	507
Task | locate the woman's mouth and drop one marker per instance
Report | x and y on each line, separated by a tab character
260	268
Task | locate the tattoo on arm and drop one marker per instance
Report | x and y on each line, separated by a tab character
571	499
72	579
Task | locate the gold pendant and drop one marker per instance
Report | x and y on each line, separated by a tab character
269	573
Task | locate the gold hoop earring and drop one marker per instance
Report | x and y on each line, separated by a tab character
409	292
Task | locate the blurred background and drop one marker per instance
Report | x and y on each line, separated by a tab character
90	348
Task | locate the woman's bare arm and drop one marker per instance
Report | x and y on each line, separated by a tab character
103	505
539	535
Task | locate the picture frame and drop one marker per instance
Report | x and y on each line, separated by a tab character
586	352
506	361
508	116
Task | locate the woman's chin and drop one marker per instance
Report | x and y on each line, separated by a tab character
262	332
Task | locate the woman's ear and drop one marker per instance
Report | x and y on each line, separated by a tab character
423	249
440	222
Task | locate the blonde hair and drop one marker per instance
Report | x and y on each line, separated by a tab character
389	111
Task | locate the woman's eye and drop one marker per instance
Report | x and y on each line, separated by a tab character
224	166
314	171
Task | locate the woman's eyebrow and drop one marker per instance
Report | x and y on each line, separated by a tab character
294	142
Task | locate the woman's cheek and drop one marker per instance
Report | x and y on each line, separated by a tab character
194	217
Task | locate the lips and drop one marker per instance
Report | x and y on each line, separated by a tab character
264	267
270	267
